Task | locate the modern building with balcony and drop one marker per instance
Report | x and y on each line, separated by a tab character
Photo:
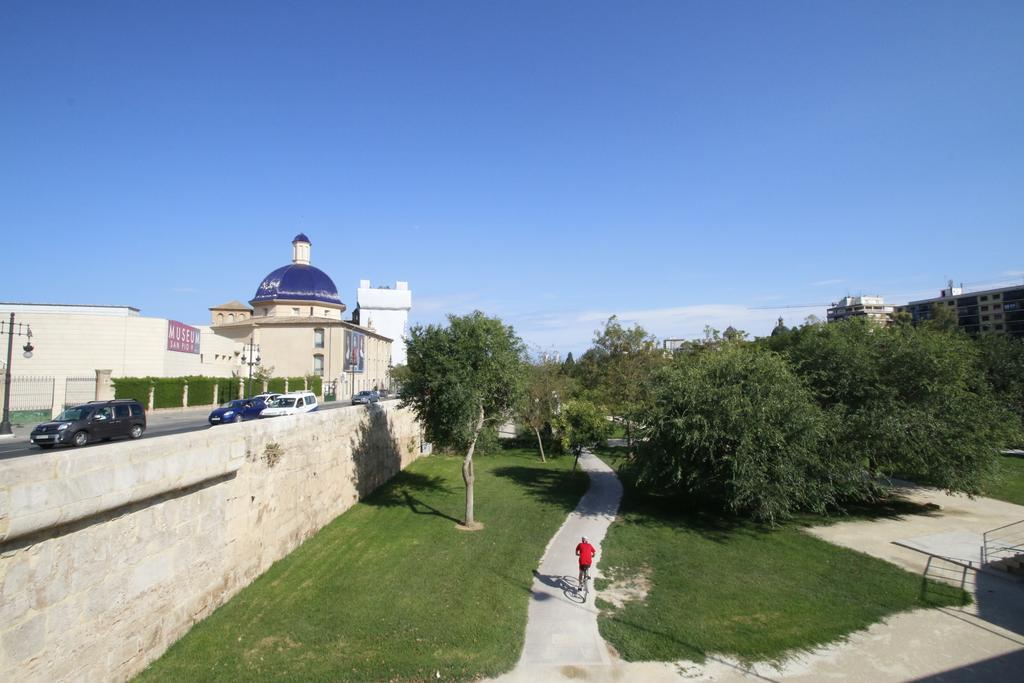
871	307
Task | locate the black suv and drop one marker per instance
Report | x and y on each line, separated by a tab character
93	421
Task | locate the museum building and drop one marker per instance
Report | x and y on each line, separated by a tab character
296	320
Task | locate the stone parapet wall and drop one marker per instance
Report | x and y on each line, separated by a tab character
110	554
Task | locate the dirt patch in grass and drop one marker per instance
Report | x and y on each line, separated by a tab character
633	588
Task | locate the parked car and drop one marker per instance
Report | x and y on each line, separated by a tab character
93	421
266	398
238	410
291	404
366	397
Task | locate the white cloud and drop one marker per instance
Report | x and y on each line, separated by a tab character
1013	273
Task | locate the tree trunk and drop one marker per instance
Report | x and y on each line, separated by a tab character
540	445
468	474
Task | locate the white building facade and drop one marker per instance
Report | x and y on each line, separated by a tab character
386	311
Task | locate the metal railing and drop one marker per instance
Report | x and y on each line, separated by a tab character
1003	543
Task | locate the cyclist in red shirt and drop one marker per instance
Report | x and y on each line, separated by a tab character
586	554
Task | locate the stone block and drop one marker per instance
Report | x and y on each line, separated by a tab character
26	640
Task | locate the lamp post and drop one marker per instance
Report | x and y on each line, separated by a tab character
251	360
25	330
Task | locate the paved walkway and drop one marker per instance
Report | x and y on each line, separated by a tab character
982	642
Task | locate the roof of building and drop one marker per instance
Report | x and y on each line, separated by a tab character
233	305
301	237
297	282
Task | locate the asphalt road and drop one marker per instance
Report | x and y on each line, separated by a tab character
158	424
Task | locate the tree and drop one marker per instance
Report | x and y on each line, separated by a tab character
546	385
738	431
618	366
943	318
460	377
581	425
569	366
1002	359
912	401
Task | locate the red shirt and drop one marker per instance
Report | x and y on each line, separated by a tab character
586	553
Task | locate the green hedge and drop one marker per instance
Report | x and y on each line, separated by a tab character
133	387
200	390
168	392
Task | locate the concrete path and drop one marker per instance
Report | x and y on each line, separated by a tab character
561	630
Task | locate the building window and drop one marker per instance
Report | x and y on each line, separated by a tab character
984	317
327	313
310	311
220	318
266	312
999	326
318	338
984	298
997	296
318	365
984	308
231	317
295	310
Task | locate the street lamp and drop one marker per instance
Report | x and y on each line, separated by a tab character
22	330
252	359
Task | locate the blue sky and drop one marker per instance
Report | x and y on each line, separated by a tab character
552	163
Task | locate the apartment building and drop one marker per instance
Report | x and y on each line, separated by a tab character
999	311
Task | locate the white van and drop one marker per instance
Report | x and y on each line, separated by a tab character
291	404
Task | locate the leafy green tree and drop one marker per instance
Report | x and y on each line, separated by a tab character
1002	359
459	378
943	318
738	431
546	386
569	366
617	368
581	425
908	400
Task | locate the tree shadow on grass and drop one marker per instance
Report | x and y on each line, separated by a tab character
405	490
554	487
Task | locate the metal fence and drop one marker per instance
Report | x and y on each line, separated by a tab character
31	392
79	390
31	398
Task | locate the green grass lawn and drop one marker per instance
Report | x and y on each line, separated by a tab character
738	589
1009	484
391	590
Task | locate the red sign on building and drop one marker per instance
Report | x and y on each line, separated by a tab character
182	337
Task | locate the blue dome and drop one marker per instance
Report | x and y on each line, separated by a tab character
300	282
301	237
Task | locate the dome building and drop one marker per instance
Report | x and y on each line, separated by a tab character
295	318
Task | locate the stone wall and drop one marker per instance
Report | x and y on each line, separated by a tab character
110	554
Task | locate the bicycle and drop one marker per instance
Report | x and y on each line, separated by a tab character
584	588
